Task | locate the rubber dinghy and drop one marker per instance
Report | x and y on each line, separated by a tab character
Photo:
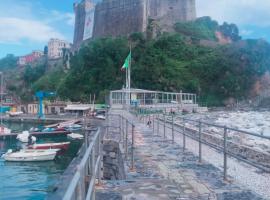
30	155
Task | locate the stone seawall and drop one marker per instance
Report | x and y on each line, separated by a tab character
113	165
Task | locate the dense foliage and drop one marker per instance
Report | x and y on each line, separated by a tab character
206	28
202	28
171	62
168	63
8	62
33	73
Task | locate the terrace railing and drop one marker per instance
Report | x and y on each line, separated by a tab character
82	185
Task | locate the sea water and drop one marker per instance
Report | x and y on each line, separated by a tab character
31	180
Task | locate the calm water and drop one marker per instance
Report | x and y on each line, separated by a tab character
31	180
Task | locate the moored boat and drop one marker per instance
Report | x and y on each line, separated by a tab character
4	130
25	136
60	145
73	127
75	136
30	155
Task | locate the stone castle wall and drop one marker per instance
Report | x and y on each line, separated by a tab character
123	17
119	17
79	9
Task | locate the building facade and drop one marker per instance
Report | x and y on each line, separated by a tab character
30	58
55	48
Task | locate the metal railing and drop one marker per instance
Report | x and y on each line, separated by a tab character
126	135
197	130
82	185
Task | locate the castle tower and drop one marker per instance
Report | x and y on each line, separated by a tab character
84	21
123	17
118	17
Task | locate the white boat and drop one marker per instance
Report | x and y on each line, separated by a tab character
73	127
15	114
100	117
75	136
24	137
30	155
4	130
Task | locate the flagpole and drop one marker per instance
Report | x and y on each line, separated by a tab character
129	74
126	87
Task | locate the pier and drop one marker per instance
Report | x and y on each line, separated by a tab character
169	158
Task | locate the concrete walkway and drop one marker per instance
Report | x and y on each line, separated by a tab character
164	171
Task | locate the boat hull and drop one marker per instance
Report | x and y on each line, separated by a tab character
63	146
30	156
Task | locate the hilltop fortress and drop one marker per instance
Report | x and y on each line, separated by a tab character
102	18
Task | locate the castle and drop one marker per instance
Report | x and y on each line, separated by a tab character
102	18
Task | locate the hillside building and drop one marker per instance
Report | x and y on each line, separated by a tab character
55	48
30	58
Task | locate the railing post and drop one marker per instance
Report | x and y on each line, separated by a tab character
200	141
184	135
225	153
164	126
153	124
143	116
123	132
100	150
132	148
172	129
93	163
126	140
120	127
158	125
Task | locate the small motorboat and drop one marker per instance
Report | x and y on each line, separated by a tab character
73	127
14	114
48	130
60	145
75	136
100	117
30	155
24	137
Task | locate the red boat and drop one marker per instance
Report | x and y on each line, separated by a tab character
60	145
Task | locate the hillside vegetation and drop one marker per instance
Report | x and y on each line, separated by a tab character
171	62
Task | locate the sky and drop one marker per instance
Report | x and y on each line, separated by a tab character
27	25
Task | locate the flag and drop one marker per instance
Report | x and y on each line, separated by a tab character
126	65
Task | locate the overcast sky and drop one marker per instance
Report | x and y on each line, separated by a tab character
26	25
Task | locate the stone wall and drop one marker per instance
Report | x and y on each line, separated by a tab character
79	9
119	17
168	12
113	165
123	17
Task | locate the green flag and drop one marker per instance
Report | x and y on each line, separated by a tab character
127	62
